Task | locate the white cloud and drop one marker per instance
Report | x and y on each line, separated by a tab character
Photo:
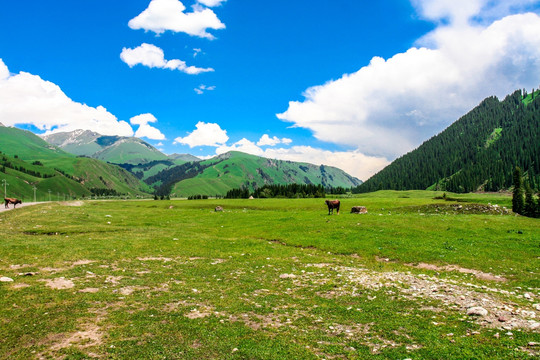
202	88
149	132
456	11
390	106
459	12
153	57
163	15
146	130
143	119
266	140
211	3
205	134
244	145
28	99
352	162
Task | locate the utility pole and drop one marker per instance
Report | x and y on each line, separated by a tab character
4	181
34	188
49	194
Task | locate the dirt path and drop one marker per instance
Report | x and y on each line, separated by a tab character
3	208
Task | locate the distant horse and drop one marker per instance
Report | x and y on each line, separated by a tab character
12	201
332	204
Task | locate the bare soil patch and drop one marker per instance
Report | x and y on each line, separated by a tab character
89	336
59	283
82	262
89	290
72	203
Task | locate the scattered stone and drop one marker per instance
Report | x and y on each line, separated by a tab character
359	210
477	311
532	343
527	296
502	319
528	314
497	335
218	208
5	279
510	333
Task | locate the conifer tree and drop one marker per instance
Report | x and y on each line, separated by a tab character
517	195
530	206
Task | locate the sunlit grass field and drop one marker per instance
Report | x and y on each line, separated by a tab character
270	279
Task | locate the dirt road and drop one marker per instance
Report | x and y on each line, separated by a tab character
3	208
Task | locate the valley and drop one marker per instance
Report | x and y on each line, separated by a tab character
415	277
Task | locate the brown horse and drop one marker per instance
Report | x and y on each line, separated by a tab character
332	204
12	201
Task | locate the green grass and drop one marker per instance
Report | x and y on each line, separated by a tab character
530	97
493	137
264	279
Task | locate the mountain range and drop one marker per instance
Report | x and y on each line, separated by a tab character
114	149
83	163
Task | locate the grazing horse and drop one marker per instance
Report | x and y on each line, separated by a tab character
332	204
12	201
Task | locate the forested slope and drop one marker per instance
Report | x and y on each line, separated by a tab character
477	152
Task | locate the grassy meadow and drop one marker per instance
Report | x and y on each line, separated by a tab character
270	279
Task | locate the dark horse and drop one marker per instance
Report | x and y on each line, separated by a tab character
12	201
332	204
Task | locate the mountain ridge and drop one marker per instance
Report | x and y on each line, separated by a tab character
113	149
478	152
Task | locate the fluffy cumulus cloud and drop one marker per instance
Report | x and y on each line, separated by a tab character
153	57
163	15
390	106
205	134
28	99
266	140
146	130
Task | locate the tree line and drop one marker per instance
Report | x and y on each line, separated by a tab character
523	201
279	191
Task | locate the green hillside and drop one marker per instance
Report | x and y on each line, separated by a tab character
232	170
130	151
28	162
476	153
27	146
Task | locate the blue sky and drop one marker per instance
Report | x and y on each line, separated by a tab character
347	83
